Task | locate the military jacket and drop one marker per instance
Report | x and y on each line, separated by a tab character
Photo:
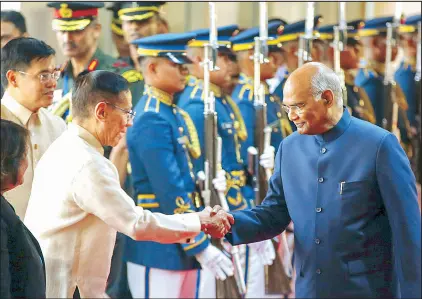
162	143
231	128
371	80
276	117
405	77
100	61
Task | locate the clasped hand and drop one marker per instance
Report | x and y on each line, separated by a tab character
215	222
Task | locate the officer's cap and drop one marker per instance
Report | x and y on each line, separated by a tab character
327	32
116	23
294	30
377	26
139	10
410	24
245	40
169	45
73	16
224	34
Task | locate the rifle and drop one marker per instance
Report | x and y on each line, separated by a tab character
391	108
339	44
305	41
276	281
233	286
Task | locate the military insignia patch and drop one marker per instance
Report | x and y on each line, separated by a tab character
93	65
132	76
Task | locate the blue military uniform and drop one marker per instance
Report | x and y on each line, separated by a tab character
292	32
162	144
357	99
244	97
371	80
231	127
356	216
76	16
405	75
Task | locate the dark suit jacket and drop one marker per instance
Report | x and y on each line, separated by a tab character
352	197
22	263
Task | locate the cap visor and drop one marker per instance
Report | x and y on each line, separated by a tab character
177	58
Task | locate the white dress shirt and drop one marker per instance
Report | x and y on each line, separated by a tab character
77	205
44	128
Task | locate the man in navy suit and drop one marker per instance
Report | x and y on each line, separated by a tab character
348	188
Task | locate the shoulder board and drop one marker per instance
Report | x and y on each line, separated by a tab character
93	65
152	104
132	76
246	92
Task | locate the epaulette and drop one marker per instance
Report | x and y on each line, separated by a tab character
247	89
132	76
152	104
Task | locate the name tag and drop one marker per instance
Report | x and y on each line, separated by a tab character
227	125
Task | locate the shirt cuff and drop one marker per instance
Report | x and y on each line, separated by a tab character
192	224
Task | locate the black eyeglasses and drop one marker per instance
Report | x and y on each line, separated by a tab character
130	113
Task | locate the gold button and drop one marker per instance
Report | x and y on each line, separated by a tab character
184	145
271	99
224	102
181	129
279	114
275	130
231	115
35	146
361	103
355	89
229	131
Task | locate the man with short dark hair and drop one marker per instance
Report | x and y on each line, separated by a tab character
12	26
29	75
86	205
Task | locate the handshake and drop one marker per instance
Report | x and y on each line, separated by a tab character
215	221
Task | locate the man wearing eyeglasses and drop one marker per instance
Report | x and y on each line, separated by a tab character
348	187
29	74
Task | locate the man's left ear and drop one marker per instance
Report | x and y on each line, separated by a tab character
328	97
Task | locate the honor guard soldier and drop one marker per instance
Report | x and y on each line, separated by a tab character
243	94
162	144
289	38
78	32
357	99
140	19
408	77
122	46
371	78
230	124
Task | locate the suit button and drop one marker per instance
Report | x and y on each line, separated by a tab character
323	150
320	180
318	210
318	271
317	241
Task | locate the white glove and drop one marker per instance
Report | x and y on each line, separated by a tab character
220	181
265	250
216	261
267	158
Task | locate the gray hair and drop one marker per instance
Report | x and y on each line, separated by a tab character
326	79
